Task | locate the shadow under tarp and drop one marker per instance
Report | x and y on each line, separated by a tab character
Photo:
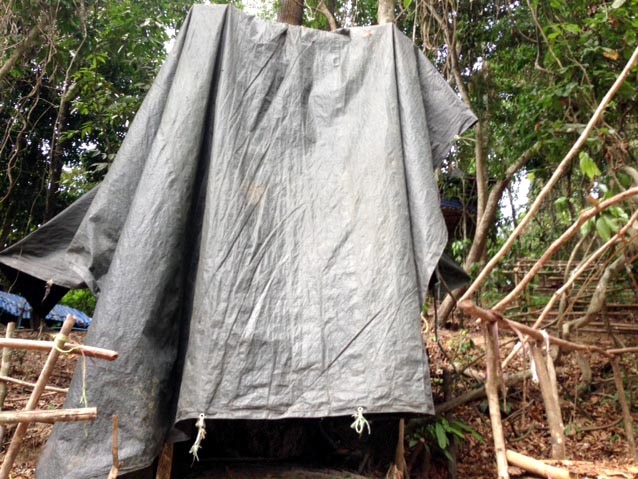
263	241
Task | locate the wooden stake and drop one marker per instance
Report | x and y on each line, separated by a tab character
6	363
21	429
48	416
115	468
552	407
4	371
629	424
491	388
165	464
44	346
537	467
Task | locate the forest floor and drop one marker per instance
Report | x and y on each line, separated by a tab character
596	444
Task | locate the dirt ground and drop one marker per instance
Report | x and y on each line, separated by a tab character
596	443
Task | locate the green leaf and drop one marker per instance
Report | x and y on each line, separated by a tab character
587	227
588	166
603	229
612	223
407	3
571	27
441	436
561	203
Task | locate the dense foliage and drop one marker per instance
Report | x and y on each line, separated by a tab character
72	75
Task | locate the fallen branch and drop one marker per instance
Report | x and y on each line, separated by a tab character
66	348
478	393
537	467
48	416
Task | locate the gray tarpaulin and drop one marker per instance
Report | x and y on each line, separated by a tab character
263	241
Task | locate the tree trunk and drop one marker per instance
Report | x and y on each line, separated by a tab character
291	12
385	12
56	157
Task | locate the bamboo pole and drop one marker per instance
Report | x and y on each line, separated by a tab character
4	370
48	416
8	379
6	363
21	429
537	467
629	423
490	331
35	345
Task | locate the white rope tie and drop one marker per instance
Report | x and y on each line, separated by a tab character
201	434
360	422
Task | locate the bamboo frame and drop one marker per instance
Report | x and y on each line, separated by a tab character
48	416
30	414
44	346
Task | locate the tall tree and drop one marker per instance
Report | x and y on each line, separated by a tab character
291	12
72	74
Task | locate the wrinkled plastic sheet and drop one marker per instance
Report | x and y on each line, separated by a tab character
263	241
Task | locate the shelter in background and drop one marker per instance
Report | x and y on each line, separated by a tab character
16	308
263	242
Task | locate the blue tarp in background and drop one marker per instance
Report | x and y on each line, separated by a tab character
19	308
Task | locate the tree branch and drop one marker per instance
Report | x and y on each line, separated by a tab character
22	47
558	173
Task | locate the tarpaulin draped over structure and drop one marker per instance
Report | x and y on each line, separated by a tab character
263	241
